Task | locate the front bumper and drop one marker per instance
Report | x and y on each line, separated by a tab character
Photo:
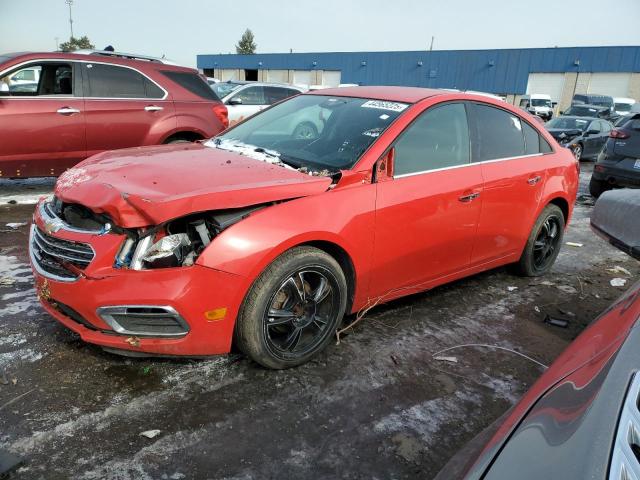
193	292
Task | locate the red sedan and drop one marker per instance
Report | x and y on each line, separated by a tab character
267	237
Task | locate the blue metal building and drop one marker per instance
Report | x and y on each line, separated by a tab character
499	71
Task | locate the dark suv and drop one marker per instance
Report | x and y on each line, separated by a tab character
77	104
618	164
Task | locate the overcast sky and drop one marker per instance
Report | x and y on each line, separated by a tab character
181	29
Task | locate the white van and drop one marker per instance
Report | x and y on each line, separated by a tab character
538	104
622	106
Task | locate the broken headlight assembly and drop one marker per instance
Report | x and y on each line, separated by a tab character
177	243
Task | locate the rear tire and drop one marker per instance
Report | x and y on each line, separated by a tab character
292	309
597	187
544	243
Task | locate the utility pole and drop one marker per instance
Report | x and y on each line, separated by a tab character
57	44
431	47
70	2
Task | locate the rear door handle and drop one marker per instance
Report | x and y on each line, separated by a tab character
470	197
153	108
67	111
533	180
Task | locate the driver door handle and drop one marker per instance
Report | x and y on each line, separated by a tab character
469	197
153	108
67	111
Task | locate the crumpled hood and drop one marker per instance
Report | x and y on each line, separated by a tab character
149	185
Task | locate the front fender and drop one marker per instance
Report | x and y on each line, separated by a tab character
342	217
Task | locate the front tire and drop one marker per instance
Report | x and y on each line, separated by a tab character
292	309
578	151
544	243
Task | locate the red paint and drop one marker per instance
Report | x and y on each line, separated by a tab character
402	235
38	141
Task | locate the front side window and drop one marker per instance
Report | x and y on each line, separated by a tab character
316	132
250	96
47	78
438	138
499	134
110	81
223	89
594	127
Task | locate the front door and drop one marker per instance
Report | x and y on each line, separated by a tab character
42	123
123	108
246	102
427	214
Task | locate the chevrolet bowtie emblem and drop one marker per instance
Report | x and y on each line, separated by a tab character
51	226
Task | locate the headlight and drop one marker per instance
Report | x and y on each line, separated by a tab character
171	251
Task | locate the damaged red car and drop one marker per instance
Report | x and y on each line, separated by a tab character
267	235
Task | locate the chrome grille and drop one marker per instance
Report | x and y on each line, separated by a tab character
52	256
625	461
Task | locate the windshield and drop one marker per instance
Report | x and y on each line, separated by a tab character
224	89
313	132
568	123
539	102
623	107
580	111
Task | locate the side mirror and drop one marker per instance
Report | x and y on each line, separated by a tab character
234	101
561	112
592	132
554	104
610	220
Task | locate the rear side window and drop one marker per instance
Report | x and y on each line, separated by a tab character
111	81
438	138
275	94
193	83
498	134
533	141
251	96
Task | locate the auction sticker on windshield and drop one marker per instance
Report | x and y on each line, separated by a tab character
393	106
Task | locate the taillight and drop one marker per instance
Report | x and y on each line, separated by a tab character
616	133
220	111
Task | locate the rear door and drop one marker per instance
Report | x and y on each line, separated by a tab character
427	215
42	123
510	152
593	139
124	108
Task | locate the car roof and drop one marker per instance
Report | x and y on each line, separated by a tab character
95	57
590	105
263	84
392	94
579	117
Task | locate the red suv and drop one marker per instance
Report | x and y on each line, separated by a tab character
57	109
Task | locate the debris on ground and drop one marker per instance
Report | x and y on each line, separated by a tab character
547	283
567	289
16	225
618	282
619	269
586	200
574	244
556	322
447	359
3	379
537	309
512	289
150	433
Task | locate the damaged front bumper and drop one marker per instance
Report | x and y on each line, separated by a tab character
185	311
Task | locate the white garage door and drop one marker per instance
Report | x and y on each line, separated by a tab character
548	83
228	74
278	76
302	77
614	84
331	78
